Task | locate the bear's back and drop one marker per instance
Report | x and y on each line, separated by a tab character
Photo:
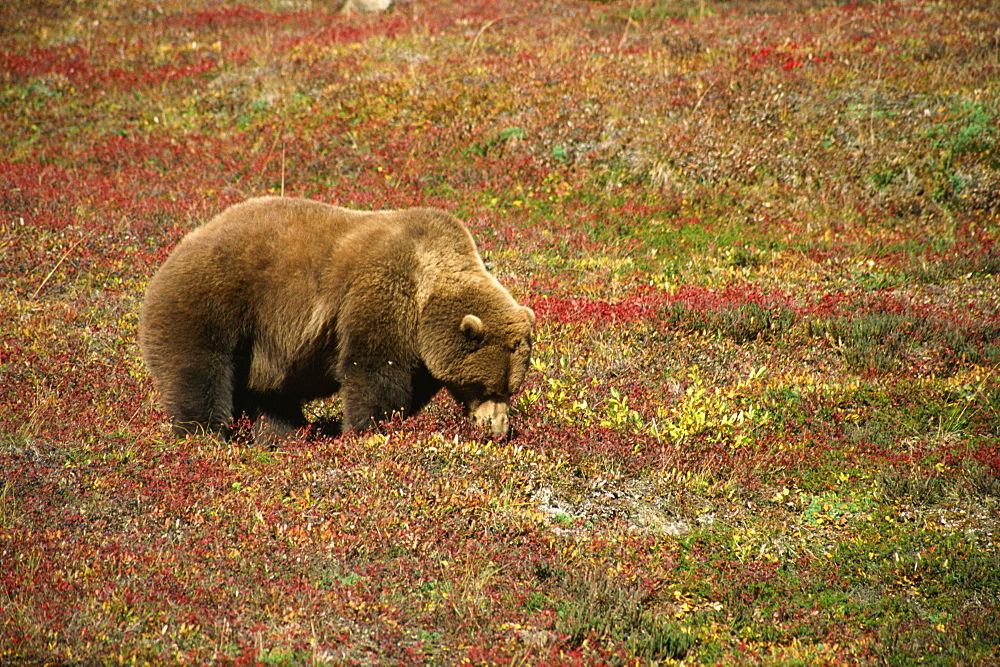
277	239
266	227
284	253
302	229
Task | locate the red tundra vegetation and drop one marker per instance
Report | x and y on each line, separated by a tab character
763	414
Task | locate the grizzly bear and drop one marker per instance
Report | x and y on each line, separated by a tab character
278	301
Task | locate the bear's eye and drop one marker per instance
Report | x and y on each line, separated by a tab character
519	345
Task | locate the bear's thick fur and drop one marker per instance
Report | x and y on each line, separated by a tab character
277	301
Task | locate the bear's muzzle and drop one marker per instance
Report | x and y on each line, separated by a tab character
492	415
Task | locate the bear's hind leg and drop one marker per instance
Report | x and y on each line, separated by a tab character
274	418
199	397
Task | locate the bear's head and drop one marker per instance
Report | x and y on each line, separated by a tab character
479	347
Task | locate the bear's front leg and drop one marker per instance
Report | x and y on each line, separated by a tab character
376	359
373	395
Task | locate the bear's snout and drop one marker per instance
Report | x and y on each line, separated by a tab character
492	415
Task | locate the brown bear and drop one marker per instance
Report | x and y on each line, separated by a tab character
278	301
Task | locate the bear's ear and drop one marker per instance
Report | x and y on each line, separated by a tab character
530	314
472	327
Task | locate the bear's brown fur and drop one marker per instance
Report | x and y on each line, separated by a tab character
278	301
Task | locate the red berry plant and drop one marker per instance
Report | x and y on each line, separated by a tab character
762	421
